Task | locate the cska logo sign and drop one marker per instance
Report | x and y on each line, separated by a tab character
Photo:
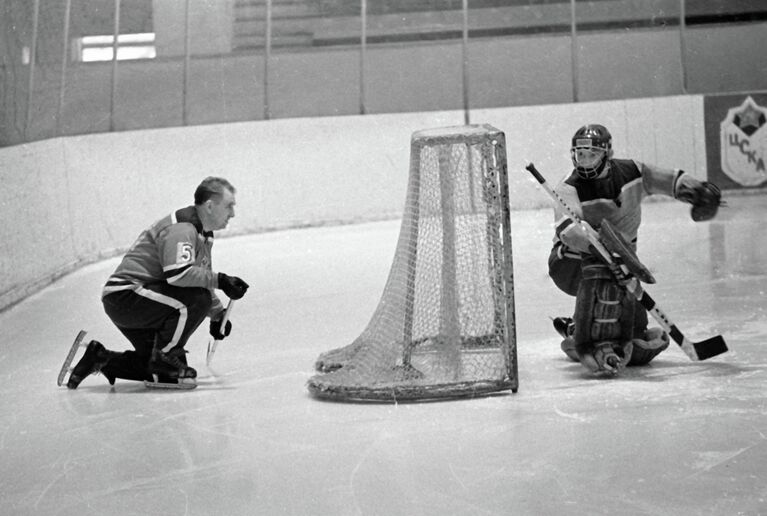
744	143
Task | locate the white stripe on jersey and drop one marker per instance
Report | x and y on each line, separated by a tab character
177	277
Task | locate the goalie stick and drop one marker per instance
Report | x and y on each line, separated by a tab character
213	344
695	350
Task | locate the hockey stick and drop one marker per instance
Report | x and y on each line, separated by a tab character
212	344
695	350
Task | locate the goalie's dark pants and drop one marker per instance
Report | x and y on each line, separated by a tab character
565	270
153	315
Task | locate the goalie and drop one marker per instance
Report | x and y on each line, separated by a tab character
609	328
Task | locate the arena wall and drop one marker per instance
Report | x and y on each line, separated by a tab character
74	200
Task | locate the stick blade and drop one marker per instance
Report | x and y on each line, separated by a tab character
710	347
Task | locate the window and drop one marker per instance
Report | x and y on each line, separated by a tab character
129	46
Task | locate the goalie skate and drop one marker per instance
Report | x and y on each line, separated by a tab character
66	367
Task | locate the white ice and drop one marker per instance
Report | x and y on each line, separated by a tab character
676	437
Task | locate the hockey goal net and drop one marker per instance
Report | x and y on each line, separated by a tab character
444	326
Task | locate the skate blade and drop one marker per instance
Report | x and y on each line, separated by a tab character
66	367
183	384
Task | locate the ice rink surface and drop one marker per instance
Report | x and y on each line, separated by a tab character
676	437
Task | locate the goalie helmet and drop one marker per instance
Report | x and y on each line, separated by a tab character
590	150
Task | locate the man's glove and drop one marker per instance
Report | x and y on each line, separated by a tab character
705	197
232	286
215	329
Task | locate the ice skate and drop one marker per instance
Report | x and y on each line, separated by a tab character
66	367
166	382
170	371
566	328
94	358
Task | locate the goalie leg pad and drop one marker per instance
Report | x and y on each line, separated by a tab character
603	320
654	341
568	346
598	307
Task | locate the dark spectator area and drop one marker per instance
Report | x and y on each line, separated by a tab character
82	66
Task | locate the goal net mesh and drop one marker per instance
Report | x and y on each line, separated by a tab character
444	326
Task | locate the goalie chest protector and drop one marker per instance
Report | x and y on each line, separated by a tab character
616	197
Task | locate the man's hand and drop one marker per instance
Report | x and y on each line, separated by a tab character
232	286
215	329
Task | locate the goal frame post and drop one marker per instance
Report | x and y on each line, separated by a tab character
405	382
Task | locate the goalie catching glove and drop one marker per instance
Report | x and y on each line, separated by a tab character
705	197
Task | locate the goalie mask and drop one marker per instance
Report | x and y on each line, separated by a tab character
591	148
